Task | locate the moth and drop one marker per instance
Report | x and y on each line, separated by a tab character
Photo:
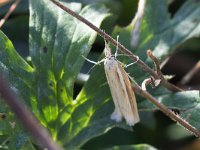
121	90
120	87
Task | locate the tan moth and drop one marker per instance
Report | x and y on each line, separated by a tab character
121	90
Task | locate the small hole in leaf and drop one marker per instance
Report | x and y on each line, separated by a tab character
51	83
45	49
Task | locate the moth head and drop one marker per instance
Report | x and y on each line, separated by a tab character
107	50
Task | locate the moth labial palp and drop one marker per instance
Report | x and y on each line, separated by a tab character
121	90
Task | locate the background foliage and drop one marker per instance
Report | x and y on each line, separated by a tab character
78	115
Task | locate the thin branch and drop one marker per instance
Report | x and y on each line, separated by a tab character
145	83
190	74
142	65
165	110
138	19
3	2
26	117
160	76
124	50
11	9
156	62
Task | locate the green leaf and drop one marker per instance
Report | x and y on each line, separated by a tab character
157	31
57	43
187	103
28	146
12	136
18	140
16	69
162	34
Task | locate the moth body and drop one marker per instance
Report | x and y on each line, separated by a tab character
121	91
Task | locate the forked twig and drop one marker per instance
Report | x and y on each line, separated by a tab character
156	62
142	65
145	83
160	78
142	91
121	47
11	9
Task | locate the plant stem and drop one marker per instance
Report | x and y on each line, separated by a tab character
165	110
137	20
11	9
142	65
190	74
26	117
124	50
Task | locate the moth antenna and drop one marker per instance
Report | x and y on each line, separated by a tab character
93	62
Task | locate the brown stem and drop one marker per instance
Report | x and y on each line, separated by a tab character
26	117
165	110
190	74
159	73
156	62
11	9
141	64
115	43
145	83
138	19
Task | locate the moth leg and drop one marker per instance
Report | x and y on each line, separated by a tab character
93	62
126	66
116	116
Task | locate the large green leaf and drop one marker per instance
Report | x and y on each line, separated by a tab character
157	32
19	74
57	43
187	103
163	34
15	68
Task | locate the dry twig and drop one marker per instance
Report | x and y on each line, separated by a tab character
165	110
190	74
142	65
11	9
124	50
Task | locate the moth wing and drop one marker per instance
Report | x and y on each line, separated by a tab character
115	89
128	105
